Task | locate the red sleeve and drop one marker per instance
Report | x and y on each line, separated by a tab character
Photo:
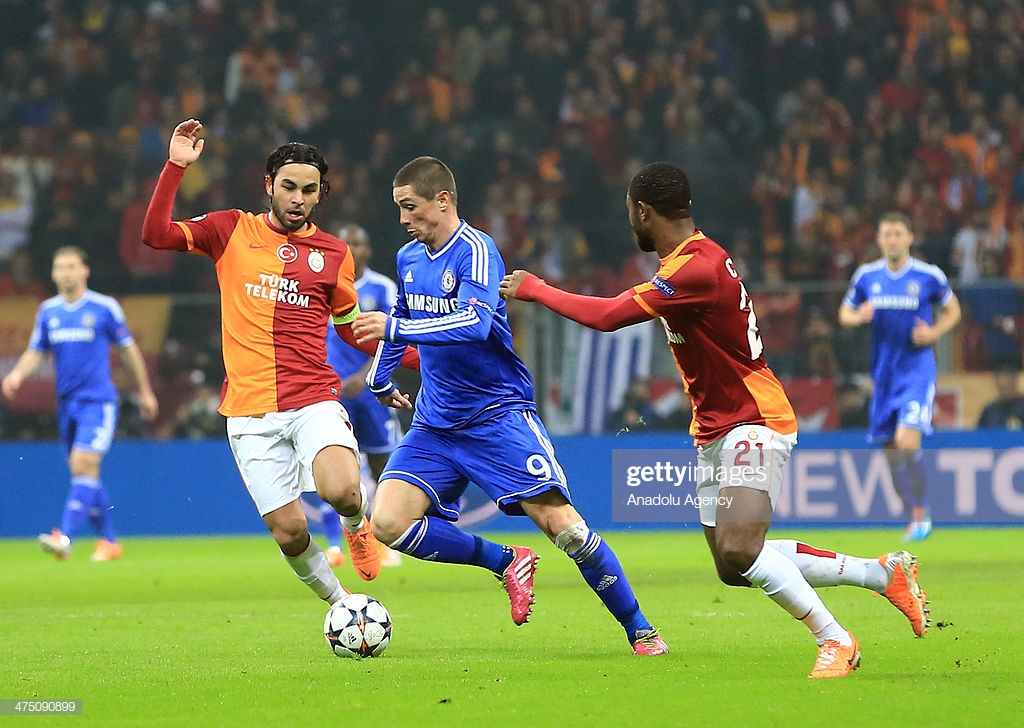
410	357
603	314
157	229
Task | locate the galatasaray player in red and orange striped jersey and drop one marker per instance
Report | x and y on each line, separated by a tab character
743	424
281	278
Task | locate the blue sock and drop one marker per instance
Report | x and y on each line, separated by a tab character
332	524
916	476
434	539
76	507
100	515
901	480
603	572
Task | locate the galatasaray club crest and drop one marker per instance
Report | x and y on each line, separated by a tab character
448	281
315	260
287	253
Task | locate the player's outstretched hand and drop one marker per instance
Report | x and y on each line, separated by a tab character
509	286
369	326
396	400
186	146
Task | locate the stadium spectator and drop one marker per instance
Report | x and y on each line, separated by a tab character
287	430
895	295
853	405
16	214
637	413
996	305
77	327
149	269
1006	411
198	418
551	244
18	280
968	244
778	317
716	346
475	418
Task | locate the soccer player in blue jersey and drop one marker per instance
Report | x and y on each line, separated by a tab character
895	294
475	418
77	326
377	427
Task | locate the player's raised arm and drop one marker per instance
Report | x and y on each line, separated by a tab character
185	147
603	314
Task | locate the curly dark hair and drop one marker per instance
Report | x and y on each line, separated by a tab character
297	152
663	186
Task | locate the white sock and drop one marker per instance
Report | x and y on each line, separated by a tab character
782	581
828	568
313	569
355	522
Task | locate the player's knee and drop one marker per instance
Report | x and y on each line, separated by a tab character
735	556
388	527
349	501
577	540
730	577
906	447
291	535
344	498
336	474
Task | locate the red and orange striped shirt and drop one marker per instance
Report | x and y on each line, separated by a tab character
712	331
277	292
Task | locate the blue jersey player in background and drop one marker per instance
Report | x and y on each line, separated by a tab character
475	418
77	326
896	294
377	427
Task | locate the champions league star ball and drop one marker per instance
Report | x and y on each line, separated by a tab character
357	626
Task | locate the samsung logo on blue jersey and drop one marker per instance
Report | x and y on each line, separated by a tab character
896	303
64	336
664	286
431	304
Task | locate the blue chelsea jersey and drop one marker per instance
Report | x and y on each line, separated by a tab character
376	292
899	299
448	305
79	335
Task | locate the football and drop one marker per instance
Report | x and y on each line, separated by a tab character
357	626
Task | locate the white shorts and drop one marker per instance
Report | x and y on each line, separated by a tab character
750	456
274	452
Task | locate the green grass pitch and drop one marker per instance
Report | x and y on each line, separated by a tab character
217	632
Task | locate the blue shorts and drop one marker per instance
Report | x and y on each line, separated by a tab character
376	426
906	404
86	424
509	456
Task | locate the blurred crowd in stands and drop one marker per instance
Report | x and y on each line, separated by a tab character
798	121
